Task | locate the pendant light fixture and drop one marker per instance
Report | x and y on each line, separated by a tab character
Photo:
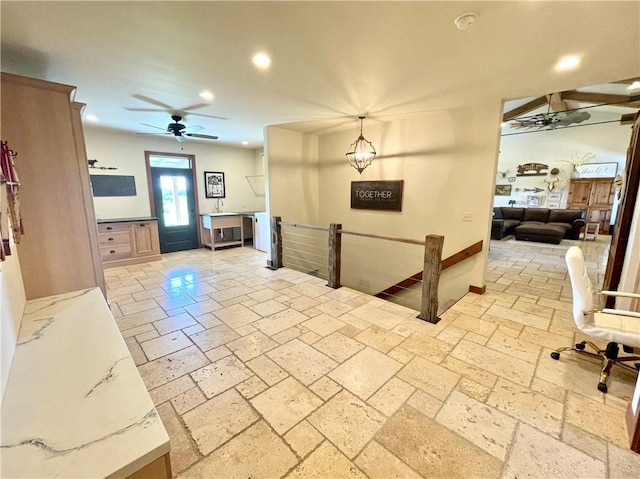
361	152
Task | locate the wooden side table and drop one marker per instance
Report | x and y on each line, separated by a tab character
591	231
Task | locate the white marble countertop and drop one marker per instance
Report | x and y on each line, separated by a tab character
75	405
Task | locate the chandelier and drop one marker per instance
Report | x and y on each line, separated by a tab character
361	152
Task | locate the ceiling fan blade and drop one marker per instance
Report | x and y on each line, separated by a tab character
153	126
196	106
145	109
206	137
151	133
192	128
206	116
146	99
180	138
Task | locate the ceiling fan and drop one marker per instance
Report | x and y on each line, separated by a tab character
163	107
179	131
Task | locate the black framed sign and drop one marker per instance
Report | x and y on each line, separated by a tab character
214	184
377	195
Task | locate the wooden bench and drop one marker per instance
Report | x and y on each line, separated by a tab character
75	405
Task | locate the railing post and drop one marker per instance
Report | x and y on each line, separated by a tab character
431	277
276	243
335	253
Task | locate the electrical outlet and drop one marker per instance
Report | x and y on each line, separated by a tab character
467	216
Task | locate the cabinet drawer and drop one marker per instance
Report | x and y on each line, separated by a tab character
114	237
112	227
115	252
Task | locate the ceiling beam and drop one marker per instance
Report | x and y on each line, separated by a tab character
628	119
526	108
628	81
598	98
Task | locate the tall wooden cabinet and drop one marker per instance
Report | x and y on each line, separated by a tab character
59	251
595	196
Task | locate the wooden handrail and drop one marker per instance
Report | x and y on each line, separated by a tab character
388	238
446	263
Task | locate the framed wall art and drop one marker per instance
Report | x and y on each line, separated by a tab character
214	184
503	190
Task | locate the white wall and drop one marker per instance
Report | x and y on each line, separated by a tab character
12	302
608	142
126	152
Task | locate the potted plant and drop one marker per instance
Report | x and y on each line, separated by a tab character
512	202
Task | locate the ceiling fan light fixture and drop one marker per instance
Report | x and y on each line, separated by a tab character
567	63
464	21
206	95
634	86
361	152
261	60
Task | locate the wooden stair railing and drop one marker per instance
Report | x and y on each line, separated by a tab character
446	263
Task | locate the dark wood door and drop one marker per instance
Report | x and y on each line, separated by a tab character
624	216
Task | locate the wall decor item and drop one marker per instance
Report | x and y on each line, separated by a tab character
534	200
214	184
113	185
597	170
377	195
512	179
503	190
532	169
92	164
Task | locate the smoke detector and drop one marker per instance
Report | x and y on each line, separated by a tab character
464	21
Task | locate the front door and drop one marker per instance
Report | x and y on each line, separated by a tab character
175	206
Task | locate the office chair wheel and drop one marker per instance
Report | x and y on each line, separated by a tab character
602	387
580	346
555	355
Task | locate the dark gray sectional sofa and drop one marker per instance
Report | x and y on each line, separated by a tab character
536	224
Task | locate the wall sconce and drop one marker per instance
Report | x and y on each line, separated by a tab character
361	152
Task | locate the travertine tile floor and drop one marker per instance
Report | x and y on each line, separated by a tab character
260	373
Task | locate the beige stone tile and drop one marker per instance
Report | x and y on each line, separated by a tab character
486	427
425	403
302	361
264	294
251	387
202	307
170	343
347	422
171	389
474	310
596	418
174	323
444	455
129	333
365	372
426	347
146	336
377	316
267	308
414	325
221	375
379	338
378	463
473	389
303	438
355	321
191	330
451	335
476	338
325	388
280	321
585	442
302	303
323	324
251	346
174	301
138	306
183	452
230	293
208	320
623	463
236	316
401	355
349	330
214	337
475	325
218	353
430	377
326	462
216	421
268	456
543	338
246	329
338	346
391	396
286	335
518	348
310	337
528	319
286	404
188	400
172	366
527	406
136	351
495	362
138	319
535	454
552	391
268	371
538	309
334	308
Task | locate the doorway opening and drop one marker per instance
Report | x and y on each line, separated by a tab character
173	199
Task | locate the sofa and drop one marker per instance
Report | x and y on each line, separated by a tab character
537	224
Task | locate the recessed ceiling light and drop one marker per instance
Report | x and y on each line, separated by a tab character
568	62
261	61
206	95
92	118
635	85
245	143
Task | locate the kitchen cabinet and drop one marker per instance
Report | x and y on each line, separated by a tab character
128	241
595	196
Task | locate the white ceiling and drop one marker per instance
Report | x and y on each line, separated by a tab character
332	61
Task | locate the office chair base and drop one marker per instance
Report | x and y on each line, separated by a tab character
609	357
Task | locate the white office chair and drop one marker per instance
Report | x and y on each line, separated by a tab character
614	325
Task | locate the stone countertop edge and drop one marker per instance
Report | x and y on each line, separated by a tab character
75	404
127	220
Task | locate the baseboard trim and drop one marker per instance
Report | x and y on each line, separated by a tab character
477	289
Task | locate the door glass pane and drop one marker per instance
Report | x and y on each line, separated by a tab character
174	200
169	162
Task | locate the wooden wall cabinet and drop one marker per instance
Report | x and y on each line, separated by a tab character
59	250
129	242
594	196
